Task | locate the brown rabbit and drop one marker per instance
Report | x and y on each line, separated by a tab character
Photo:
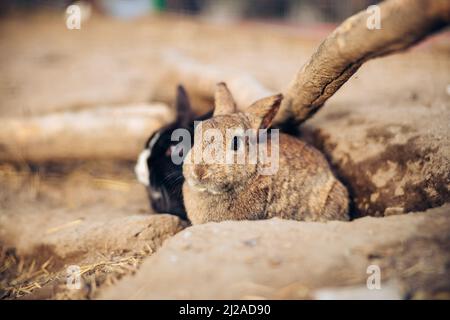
303	187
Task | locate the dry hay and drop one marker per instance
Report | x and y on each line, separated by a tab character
58	185
22	276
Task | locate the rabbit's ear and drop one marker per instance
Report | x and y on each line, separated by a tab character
265	110
223	100
183	107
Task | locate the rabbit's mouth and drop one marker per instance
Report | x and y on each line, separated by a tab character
203	187
195	184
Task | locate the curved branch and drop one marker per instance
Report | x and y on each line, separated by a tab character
403	23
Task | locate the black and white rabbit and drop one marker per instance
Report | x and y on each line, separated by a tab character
156	170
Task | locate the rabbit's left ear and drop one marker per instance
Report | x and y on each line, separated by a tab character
223	100
183	107
264	111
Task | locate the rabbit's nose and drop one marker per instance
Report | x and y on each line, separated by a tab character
199	172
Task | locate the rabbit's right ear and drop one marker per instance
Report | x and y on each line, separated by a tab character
264	110
223	100
183	107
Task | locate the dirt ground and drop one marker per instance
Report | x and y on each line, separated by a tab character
282	259
94	214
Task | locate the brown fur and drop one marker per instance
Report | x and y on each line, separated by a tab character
303	188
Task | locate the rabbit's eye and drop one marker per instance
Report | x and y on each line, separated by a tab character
236	143
175	150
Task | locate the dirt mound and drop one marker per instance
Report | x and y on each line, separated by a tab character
289	259
393	156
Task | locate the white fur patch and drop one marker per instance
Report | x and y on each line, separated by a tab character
141	168
153	141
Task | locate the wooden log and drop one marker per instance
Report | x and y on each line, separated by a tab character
99	133
403	23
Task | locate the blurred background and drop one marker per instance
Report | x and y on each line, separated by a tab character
304	11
